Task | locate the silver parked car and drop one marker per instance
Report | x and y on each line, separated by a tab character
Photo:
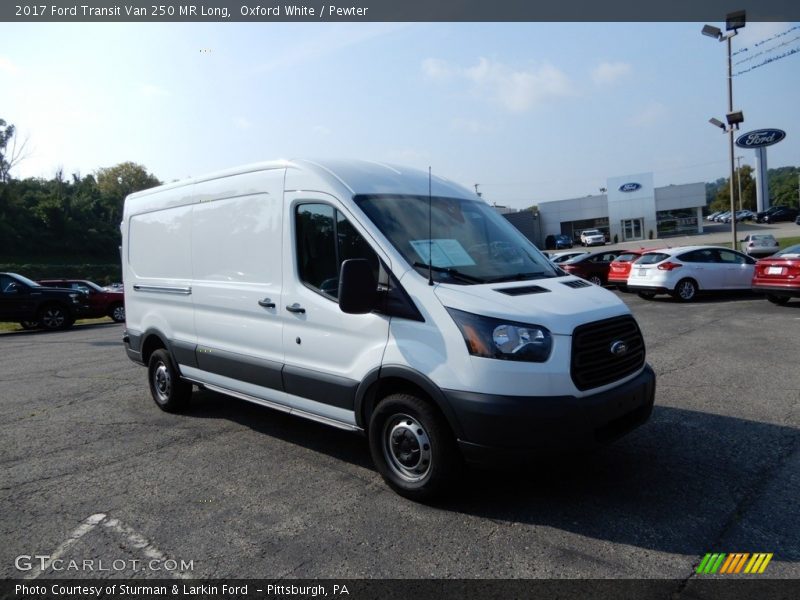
759	244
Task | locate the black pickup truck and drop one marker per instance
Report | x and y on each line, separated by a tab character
32	305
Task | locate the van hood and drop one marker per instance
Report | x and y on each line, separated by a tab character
552	303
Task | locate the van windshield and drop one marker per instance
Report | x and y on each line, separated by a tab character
467	242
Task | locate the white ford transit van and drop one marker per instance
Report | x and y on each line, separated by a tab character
379	300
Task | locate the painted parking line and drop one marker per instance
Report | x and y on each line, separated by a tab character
76	535
131	541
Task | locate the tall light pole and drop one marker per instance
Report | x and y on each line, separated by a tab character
733	22
739	178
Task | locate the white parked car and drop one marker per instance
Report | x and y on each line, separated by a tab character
684	272
591	237
760	244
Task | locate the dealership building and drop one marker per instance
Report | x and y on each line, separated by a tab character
630	209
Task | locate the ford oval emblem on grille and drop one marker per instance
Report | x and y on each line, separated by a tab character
618	348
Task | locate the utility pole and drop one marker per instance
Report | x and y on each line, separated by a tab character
739	178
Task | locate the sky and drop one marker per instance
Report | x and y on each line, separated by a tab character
529	111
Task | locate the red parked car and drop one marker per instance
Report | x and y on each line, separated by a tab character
592	266
102	302
620	267
779	275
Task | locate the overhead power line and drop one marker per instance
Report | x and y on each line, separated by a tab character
769	60
767	51
766	40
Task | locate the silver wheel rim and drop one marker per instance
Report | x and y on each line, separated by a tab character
53	318
595	280
118	313
686	290
162	383
406	448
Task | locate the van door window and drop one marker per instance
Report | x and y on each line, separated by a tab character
325	239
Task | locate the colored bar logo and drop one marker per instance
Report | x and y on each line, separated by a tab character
733	564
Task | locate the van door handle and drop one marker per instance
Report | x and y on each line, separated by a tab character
296	308
266	303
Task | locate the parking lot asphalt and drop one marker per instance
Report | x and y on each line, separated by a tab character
93	471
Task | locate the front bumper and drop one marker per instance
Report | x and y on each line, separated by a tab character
498	429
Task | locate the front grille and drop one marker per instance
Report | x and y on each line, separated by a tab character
593	364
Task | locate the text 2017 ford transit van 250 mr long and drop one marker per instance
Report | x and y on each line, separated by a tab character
376	299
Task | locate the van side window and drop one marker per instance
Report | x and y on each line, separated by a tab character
325	239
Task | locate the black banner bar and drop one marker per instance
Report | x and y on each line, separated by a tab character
393	10
696	587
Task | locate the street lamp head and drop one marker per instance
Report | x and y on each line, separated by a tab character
712	31
735	20
735	118
717	123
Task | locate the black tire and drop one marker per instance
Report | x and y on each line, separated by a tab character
29	325
647	295
596	279
54	317
169	391
685	290
117	312
413	448
780	300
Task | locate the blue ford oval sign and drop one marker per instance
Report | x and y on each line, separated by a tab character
630	187
760	138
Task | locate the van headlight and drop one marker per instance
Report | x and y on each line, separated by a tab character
507	340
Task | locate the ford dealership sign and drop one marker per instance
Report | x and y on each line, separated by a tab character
760	138
630	187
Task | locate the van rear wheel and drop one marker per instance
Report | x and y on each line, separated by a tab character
169	391
412	447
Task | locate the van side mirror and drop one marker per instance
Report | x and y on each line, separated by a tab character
358	288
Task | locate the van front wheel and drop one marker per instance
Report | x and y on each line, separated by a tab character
412	447
169	391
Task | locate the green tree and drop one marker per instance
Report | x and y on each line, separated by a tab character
722	200
784	186
11	152
115	183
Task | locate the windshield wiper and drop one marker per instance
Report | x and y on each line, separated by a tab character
520	277
454	273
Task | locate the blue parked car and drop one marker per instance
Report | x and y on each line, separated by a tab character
557	242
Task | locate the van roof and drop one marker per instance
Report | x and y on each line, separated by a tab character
357	176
